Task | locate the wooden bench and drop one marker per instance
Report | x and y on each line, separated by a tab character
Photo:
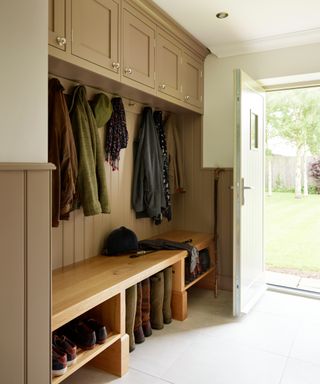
98	285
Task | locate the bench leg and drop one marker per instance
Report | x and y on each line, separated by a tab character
179	305
115	359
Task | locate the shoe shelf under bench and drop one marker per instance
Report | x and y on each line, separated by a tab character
97	287
84	357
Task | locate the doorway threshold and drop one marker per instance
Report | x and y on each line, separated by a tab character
299	281
293	291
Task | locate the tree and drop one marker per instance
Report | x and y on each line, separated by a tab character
295	116
315	173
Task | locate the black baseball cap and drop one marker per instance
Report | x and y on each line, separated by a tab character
121	240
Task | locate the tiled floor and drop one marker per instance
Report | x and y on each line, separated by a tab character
278	343
293	281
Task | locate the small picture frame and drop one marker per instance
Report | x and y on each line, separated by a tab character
254	138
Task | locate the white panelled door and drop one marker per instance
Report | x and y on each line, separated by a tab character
248	252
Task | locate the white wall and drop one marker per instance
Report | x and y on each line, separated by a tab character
23	80
218	92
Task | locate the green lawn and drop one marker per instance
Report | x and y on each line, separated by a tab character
292	233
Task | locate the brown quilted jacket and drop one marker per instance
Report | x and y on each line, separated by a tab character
62	153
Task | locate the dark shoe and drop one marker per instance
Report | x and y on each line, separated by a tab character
99	329
59	362
167	275
66	346
204	260
82	335
139	335
147	330
156	300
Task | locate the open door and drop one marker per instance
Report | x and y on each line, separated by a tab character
248	249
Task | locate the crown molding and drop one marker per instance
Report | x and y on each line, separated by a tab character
267	43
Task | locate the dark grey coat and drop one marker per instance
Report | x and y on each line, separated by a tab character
148	192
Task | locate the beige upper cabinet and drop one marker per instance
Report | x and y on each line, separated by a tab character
138	49
57	24
169	65
192	80
95	32
126	41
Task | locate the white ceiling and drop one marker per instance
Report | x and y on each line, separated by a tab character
252	25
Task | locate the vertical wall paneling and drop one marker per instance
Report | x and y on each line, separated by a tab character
25	273
38	276
68	240
195	207
57	249
12	276
88	237
225	229
78	235
83	237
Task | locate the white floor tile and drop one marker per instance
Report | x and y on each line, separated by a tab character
272	333
299	372
90	375
307	343
209	361
284	304
268	332
158	351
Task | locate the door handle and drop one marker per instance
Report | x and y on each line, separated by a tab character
243	188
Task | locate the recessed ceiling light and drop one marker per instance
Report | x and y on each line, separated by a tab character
222	15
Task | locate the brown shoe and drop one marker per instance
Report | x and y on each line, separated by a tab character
138	331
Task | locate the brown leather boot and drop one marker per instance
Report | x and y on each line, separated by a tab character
131	306
138	331
146	326
156	300
167	274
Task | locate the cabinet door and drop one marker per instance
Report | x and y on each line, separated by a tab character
169	62
95	34
138	50
57	24
192	80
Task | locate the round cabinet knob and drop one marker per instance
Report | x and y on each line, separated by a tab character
115	65
163	86
61	41
187	98
128	71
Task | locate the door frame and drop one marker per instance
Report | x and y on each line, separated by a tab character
287	84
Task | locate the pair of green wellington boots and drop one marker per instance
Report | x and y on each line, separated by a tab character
148	305
160	298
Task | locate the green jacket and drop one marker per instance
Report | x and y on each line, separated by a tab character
91	183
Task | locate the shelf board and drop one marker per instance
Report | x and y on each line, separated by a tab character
199	278
84	356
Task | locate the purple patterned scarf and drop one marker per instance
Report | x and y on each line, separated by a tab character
116	134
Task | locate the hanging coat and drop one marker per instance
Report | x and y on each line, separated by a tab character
176	174
91	186
148	194
62	153
157	117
